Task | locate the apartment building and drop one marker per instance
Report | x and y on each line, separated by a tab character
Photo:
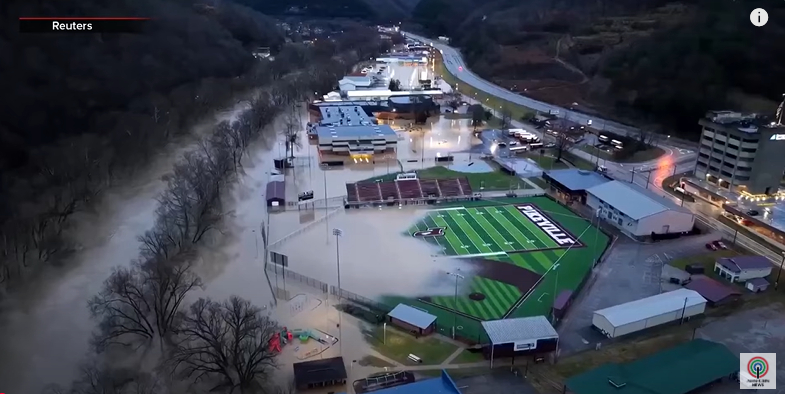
743	153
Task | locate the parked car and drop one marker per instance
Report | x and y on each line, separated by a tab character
753	212
721	244
711	246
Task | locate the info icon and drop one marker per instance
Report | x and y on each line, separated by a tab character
758	371
759	17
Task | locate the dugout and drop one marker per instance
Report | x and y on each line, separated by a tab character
319	373
571	184
413	320
521	337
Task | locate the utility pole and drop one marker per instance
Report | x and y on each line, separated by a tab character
455	300
777	281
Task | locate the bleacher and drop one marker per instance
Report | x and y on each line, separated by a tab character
389	191
407	190
450	187
368	191
351	193
429	188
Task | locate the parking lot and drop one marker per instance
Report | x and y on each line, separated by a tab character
630	271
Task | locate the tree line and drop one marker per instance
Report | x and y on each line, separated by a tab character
208	345
83	112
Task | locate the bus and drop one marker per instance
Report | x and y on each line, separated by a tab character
518	149
536	145
616	144
604	139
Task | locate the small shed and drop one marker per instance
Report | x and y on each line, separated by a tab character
276	194
674	275
561	304
757	285
416	321
520	337
715	293
319	373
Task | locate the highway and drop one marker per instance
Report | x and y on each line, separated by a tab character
455	65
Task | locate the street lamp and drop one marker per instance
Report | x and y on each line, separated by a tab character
596	235
777	281
338	233
455	300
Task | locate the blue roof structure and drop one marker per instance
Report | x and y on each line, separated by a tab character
373	131
412	315
441	385
577	180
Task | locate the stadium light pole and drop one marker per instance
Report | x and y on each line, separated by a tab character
555	290
326	216
338	233
455	300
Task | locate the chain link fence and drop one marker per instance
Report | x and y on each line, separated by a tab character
293	276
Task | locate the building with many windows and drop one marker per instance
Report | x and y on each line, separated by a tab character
741	153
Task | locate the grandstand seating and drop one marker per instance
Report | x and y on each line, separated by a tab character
389	190
449	187
429	188
368	191
409	189
351	193
465	186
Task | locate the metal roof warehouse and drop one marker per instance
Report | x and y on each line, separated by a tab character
648	312
678	370
637	211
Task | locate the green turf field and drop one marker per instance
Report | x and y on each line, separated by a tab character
515	257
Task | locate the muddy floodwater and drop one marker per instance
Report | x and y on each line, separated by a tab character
45	329
377	255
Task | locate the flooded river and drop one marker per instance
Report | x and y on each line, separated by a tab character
45	329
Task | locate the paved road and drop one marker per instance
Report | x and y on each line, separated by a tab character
455	64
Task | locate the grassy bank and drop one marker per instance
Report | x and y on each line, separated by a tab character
518	112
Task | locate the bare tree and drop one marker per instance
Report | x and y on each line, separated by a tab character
291	134
564	143
140	303
225	345
477	113
99	379
506	117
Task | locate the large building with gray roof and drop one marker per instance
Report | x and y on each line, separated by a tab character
638	212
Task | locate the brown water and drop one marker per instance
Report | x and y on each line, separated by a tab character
44	330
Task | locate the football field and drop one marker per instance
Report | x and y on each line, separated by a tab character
513	250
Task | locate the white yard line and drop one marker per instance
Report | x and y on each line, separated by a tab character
482	215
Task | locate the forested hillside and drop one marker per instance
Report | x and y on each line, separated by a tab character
84	112
53	86
643	61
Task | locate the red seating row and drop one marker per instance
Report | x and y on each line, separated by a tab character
351	193
407	189
368	191
450	187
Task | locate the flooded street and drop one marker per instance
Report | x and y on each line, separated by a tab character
46	328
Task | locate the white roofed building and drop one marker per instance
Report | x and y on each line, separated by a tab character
648	312
638	212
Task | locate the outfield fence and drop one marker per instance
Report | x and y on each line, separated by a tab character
305	228
295	277
356	298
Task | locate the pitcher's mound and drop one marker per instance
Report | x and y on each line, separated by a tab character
476	296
